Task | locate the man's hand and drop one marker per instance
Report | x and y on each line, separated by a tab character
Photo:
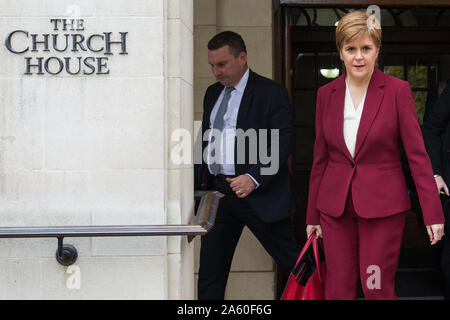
440	183
242	185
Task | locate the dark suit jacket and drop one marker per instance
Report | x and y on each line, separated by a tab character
374	175
432	98
265	105
437	135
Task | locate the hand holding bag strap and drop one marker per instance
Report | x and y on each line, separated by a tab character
305	247
316	256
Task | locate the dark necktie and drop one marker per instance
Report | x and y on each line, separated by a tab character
219	124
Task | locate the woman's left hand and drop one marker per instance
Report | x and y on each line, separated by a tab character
436	232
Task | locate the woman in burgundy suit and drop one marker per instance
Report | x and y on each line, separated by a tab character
358	195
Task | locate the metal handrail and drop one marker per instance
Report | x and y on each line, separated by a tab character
67	254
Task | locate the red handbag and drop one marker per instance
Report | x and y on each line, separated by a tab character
306	280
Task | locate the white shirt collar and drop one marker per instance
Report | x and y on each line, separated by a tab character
243	82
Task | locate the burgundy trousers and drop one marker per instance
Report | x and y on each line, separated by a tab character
368	248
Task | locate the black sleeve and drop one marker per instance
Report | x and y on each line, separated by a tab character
432	97
281	118
434	127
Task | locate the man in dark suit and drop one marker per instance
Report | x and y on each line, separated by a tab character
256	195
434	93
436	133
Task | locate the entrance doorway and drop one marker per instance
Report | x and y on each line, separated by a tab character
416	48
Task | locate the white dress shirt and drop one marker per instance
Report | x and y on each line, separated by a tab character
352	118
230	120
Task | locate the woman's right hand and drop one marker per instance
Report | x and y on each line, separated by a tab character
436	232
310	229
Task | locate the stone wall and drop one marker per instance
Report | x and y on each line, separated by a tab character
93	149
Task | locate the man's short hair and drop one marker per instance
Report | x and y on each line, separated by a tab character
230	38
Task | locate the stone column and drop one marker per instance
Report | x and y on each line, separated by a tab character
93	149
180	115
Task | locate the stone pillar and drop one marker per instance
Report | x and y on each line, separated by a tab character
180	115
93	149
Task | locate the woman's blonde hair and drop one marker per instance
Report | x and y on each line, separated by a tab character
357	24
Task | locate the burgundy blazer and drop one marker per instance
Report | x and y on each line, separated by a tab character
374	175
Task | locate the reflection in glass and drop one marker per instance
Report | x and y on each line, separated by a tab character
304	75
330	73
387	18
393	64
305	107
418	76
420	98
442	67
395	71
328	65
422	73
304	145
444	18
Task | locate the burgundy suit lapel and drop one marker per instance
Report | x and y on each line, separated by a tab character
372	103
338	99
